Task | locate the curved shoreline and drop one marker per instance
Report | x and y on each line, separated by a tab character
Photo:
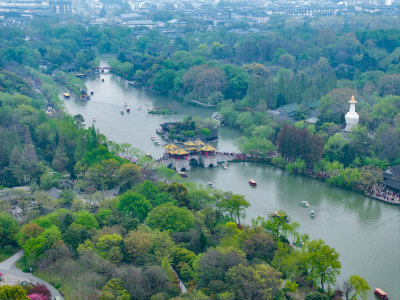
396	203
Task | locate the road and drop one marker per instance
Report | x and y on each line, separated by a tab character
8	267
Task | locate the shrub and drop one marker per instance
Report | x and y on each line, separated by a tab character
40	289
291	286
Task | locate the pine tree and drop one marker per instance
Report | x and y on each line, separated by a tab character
29	154
60	159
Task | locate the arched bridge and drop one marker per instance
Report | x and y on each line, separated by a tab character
207	161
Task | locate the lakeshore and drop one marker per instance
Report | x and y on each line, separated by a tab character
345	220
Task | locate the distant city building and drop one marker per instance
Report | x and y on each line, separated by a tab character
352	116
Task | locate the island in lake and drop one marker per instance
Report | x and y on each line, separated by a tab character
190	129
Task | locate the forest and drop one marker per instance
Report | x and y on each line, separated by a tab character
136	245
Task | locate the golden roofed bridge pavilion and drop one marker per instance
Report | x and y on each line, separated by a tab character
192	152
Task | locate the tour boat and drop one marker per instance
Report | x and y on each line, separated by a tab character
252	182
128	109
210	184
182	174
304	204
312	213
67	95
381	294
156	143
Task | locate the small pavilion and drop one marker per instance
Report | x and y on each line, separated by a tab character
179	153
208	150
191	147
170	147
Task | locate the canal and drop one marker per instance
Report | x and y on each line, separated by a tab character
365	232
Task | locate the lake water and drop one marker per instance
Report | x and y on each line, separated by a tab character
365	232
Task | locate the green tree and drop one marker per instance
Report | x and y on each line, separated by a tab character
114	289
254	282
109	246
86	219
164	82
232	204
60	160
134	204
52	235
360	285
170	217
137	243
129	175
75	235
277	224
259	245
356	286
8	229
322	262
30	230
179	192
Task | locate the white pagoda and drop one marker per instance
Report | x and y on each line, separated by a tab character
352	116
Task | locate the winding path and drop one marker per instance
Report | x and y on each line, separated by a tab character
8	267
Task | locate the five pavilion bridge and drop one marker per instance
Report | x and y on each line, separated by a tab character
193	153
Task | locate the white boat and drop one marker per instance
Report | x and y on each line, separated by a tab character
304	204
153	138
225	166
93	119
210	184
125	104
122	112
140	107
312	213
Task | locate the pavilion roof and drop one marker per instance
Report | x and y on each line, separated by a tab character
207	148
179	151
189	144
170	146
199	143
191	148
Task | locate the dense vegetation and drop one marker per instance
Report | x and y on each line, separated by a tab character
316	64
126	246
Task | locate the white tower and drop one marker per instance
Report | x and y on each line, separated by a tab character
351	117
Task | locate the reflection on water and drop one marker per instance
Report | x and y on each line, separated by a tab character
365	232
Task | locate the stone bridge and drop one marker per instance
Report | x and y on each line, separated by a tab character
202	160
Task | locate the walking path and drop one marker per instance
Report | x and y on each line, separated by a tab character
12	273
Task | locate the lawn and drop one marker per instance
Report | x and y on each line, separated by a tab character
7	251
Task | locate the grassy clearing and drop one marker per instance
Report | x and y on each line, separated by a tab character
7	251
